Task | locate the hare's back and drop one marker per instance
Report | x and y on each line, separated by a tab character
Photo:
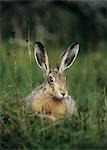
32	95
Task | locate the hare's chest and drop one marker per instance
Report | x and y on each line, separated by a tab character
54	108
49	107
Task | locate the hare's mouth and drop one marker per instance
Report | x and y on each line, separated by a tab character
58	98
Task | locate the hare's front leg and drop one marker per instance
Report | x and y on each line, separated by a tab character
70	105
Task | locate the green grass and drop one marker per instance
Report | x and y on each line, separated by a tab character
87	83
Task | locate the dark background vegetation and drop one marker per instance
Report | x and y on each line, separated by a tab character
56	24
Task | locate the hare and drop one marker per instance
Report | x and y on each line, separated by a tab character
51	99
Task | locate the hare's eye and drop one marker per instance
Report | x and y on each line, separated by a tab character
51	79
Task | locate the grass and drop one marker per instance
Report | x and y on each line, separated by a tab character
87	82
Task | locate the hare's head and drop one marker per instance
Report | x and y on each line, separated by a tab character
55	82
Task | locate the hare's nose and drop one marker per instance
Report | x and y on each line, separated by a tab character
63	94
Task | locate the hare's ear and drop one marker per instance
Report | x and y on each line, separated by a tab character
68	57
41	57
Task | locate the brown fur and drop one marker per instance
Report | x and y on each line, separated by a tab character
52	97
47	105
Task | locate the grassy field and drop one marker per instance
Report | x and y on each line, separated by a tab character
87	83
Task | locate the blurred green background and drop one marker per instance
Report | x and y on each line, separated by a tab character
56	24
